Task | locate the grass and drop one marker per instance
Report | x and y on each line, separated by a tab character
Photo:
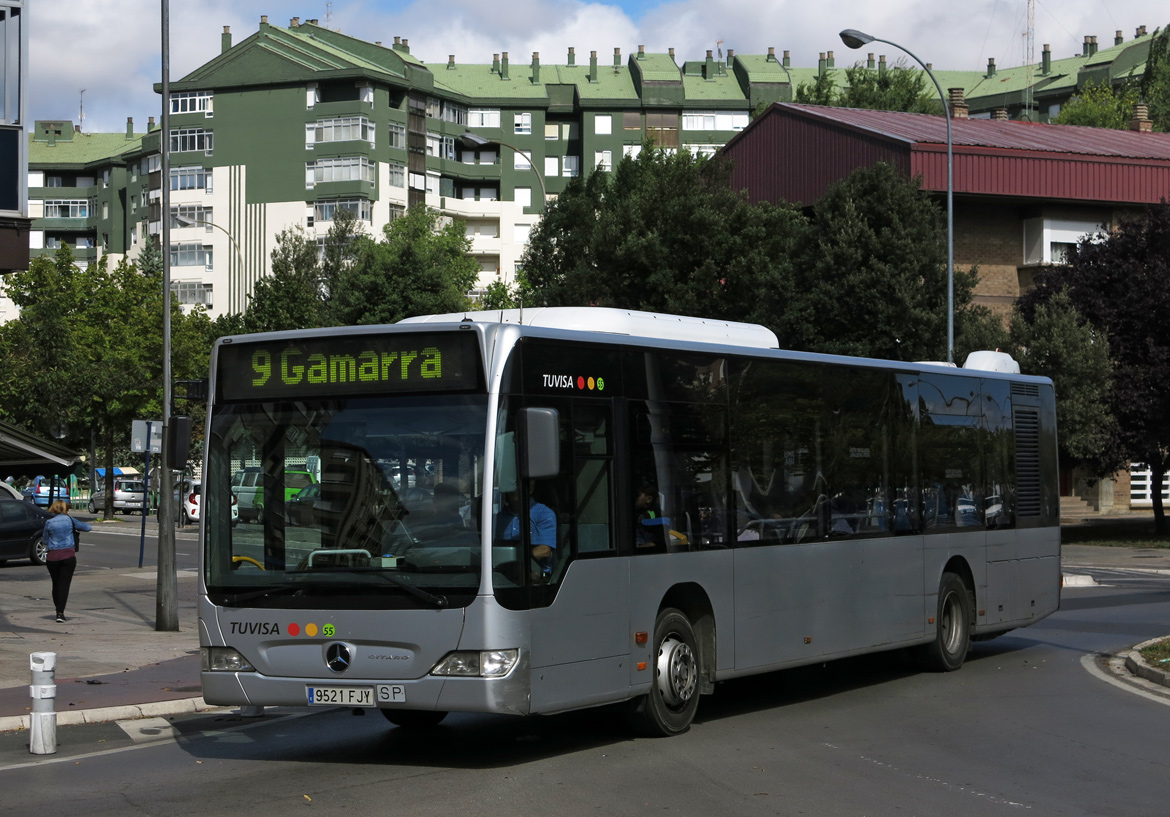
1158	654
1128	532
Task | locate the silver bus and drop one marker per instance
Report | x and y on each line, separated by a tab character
535	511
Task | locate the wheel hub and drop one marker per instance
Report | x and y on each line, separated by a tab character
678	673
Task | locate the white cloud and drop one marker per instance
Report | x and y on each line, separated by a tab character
111	47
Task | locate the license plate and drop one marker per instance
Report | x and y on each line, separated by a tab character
392	693
340	696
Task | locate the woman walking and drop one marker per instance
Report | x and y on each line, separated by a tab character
61	558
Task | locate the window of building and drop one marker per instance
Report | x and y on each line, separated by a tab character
602	124
522	196
340	129
520	161
327	209
633	151
192	102
488	194
552	166
397	211
662	129
192	292
190	139
191	178
67	208
571	166
152	163
433	184
520	233
483	118
191	255
632	120
53	181
191	215
397	136
105	209
397	171
434	108
453	112
522	123
714	120
603	160
416	181
552	131
1048	240
339	169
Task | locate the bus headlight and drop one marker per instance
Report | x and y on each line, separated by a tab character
477	663
223	659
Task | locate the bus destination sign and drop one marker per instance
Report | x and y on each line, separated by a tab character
348	365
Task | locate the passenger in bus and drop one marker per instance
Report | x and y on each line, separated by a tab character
650	526
542	529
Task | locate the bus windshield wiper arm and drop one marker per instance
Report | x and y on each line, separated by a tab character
432	598
274	590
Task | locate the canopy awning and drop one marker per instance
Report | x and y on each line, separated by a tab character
25	454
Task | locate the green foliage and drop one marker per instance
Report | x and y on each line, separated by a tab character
420	267
663	233
1100	105
291	297
871	277
1054	340
1118	284
896	89
1156	80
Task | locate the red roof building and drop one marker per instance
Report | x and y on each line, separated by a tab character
1023	192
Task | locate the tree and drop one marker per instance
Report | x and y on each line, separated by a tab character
291	297
663	232
896	89
1053	339
1156	80
1100	105
421	266
871	272
1118	284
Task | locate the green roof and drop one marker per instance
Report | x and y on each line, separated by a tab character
658	68
79	148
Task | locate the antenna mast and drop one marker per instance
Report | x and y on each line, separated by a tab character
1029	59
81	112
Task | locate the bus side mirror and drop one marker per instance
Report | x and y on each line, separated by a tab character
540	449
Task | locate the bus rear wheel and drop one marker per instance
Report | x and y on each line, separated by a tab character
952	638
669	707
413	718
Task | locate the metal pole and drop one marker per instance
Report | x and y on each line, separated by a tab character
145	498
166	611
42	721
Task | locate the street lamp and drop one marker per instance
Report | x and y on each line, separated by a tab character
855	39
475	142
184	221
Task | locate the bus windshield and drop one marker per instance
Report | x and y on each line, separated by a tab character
360	502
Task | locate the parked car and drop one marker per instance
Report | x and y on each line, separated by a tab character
8	492
38	492
248	487
192	494
21	527
129	495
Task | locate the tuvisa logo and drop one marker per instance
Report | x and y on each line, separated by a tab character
255	628
567	381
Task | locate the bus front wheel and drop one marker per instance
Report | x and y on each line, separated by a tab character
953	621
669	707
413	718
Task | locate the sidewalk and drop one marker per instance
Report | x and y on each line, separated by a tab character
112	664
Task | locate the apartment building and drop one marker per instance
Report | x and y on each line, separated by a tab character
293	124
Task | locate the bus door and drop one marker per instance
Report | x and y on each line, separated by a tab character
577	594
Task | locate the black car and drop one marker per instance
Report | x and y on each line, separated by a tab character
21	526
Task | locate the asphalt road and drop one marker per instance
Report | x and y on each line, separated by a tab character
1028	725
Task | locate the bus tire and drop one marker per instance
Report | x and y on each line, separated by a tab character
413	718
952	637
669	707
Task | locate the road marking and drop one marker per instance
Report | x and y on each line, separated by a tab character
1089	662
142	730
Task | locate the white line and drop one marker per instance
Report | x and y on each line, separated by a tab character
1089	662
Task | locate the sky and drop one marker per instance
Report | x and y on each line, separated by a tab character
110	49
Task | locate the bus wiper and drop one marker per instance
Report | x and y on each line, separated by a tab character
432	598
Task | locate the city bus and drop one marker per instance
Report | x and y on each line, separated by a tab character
606	506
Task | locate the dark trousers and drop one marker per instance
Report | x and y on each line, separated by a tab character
62	575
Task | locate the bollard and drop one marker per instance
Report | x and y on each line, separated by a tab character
42	725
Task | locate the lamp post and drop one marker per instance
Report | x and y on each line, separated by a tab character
855	39
475	142
194	222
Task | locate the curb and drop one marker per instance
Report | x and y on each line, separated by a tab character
79	717
1137	665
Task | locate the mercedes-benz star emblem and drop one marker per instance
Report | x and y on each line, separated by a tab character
337	657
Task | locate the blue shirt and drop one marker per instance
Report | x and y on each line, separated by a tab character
542	525
59	531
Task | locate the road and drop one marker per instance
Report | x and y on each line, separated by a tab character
1025	727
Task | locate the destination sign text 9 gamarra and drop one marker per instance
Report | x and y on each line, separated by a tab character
348	365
